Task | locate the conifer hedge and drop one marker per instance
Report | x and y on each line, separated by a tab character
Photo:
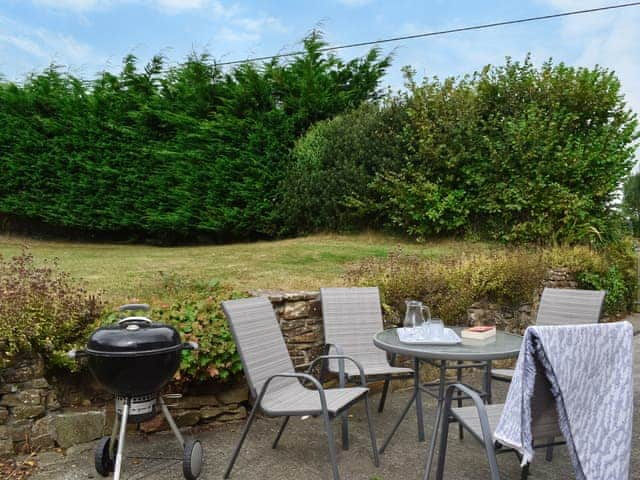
168	154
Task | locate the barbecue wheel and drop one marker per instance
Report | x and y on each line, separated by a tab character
103	461
192	459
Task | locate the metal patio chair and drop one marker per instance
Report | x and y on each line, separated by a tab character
351	317
481	420
562	306
277	388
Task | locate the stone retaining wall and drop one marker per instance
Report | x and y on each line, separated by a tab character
33	415
300	317
517	320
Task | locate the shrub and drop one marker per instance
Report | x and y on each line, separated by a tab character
514	153
194	310
450	285
42	310
333	165
508	277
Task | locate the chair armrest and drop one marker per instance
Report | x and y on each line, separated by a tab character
363	379
304	376
477	402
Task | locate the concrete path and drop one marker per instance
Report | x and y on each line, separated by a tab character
302	453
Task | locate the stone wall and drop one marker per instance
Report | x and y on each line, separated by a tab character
300	317
25	397
517	320
36	416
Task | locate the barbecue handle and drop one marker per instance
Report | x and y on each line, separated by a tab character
134	307
190	346
135	319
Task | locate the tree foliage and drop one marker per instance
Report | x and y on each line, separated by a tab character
514	153
631	202
168	153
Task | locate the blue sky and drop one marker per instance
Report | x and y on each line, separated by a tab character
88	36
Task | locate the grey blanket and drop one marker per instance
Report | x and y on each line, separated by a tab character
589	369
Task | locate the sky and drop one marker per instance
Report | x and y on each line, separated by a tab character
89	36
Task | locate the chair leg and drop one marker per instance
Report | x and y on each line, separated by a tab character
491	456
549	451
332	446
385	389
444	438
243	435
372	433
524	473
344	418
282	427
459	379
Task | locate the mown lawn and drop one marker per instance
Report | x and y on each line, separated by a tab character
128	271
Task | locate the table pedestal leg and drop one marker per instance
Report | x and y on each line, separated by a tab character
397	424
439	414
415	397
487	382
417	385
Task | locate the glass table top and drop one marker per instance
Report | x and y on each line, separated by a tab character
503	345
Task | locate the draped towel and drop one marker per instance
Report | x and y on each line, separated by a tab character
589	369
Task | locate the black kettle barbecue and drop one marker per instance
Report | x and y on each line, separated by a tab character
134	359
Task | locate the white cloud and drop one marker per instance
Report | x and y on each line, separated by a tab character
74	5
259	24
39	47
217	7
182	4
355	3
607	38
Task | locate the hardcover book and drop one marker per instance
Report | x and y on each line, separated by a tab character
479	333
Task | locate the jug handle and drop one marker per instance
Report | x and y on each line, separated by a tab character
428	312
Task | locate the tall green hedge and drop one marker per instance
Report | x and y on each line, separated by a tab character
514	153
168	153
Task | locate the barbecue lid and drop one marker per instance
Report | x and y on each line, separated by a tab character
133	336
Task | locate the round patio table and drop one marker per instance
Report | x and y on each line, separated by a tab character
477	353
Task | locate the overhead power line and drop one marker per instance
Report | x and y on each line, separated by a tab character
439	32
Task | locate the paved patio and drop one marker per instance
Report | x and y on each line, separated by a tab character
302	452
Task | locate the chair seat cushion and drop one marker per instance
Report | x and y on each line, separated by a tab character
370	370
296	400
502	373
544	428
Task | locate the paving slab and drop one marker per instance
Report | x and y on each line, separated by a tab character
302	452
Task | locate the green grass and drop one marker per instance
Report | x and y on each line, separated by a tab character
133	271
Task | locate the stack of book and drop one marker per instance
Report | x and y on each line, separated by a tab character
479	333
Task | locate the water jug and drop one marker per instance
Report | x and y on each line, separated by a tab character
413	317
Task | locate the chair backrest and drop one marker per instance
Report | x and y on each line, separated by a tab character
544	415
564	306
259	341
351	317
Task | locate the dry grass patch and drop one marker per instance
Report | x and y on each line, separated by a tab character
127	271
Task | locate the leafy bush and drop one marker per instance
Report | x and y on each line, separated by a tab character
333	165
42	310
194	310
450	285
508	277
513	153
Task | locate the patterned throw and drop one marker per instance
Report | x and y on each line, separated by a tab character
589	368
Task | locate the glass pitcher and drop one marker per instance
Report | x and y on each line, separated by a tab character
413	317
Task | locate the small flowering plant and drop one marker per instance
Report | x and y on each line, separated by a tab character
42	310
